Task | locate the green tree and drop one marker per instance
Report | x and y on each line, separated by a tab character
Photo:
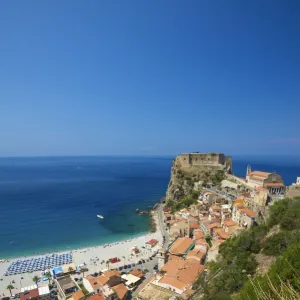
107	264
83	270
36	279
10	287
48	276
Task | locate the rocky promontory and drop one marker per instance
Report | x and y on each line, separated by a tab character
189	169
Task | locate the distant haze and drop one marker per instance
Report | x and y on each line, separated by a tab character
149	77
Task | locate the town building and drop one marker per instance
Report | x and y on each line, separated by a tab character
162	257
79	295
294	189
35	293
151	243
137	273
181	246
103	284
97	297
66	287
179	228
121	291
179	275
271	181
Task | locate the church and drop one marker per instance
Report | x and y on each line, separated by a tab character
271	181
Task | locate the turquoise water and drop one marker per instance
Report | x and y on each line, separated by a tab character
50	204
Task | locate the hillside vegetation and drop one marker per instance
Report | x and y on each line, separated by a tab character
234	275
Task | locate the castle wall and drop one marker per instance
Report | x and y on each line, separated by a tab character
198	159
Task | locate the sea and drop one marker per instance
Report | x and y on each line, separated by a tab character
50	204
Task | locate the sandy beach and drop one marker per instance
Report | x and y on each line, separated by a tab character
92	257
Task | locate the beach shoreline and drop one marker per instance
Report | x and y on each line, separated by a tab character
93	257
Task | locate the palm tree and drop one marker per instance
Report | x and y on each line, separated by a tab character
36	279
107	263
124	259
10	287
83	270
48	275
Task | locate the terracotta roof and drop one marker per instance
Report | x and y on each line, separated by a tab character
191	271
238	202
152	241
213	225
273	184
216	207
96	297
121	290
173	257
198	235
215	220
185	271
247	195
221	233
102	280
228	223
31	294
257	178
97	282
181	245
196	254
172	266
78	295
248	212
137	273
194	226
260	188
173	282
201	242
260	174
111	273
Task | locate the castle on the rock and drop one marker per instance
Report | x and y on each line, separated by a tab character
195	159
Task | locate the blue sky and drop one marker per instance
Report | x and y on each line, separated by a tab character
149	77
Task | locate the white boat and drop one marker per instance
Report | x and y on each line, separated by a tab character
100	217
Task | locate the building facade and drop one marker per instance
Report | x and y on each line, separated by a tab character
271	181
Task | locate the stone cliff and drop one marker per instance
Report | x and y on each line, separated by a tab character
187	169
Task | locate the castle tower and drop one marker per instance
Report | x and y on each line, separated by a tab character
162	257
248	170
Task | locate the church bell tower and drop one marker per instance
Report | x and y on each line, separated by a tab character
162	257
248	170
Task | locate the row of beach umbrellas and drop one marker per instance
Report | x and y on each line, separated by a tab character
38	264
